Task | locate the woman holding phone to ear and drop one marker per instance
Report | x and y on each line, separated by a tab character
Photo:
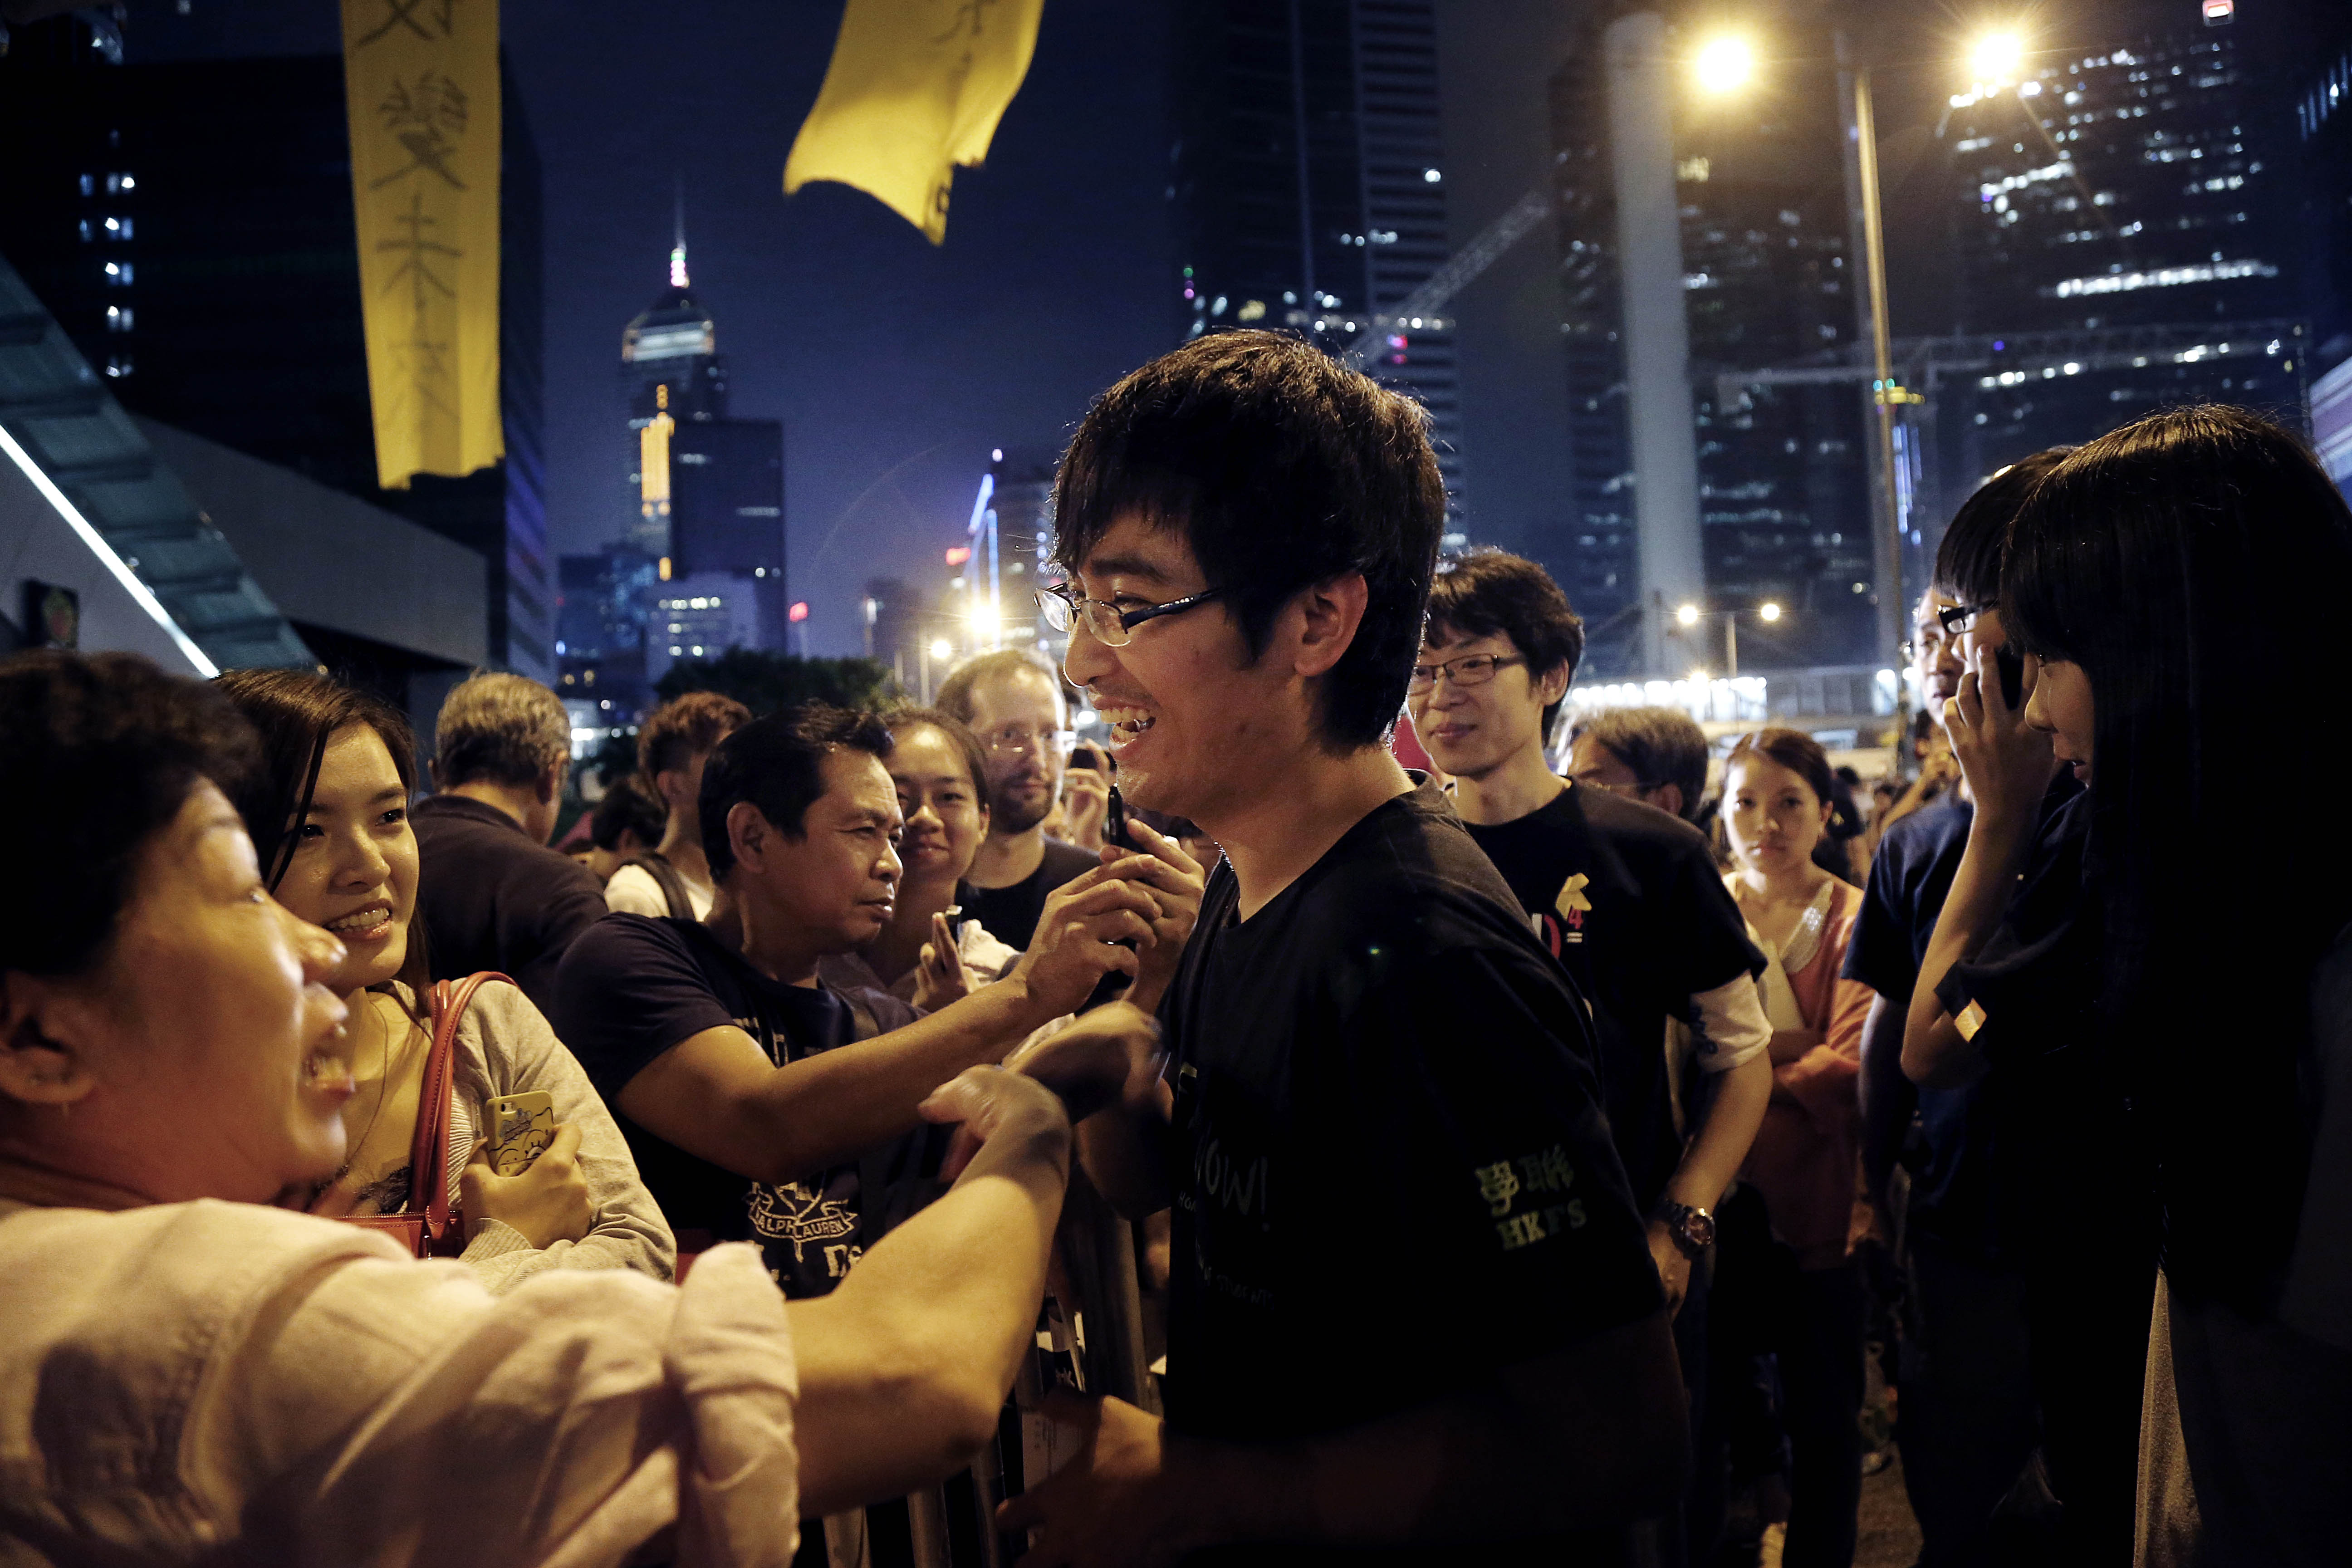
328	814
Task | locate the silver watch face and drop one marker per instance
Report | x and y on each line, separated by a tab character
1697	1228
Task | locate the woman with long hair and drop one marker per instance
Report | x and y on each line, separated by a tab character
1777	799
2177	586
196	1375
328	814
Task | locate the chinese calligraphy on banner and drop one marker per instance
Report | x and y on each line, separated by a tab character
916	88
421	80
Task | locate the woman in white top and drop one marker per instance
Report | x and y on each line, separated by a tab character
186	1373
328	814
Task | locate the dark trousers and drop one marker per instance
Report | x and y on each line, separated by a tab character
1969	1419
2087	1306
1809	1322
1820	1350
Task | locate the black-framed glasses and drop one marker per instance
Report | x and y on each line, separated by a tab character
1106	623
1470	669
1959	618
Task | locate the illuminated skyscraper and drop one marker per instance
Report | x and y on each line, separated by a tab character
1309	183
707	491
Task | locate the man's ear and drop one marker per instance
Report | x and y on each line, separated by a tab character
1329	613
551	782
1668	798
46	1026
749	836
670	784
1551	687
433	772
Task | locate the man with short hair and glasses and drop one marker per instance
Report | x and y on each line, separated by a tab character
1627	898
1410	1315
1655	755
1013	700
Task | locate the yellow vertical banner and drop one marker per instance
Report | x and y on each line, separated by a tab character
421	81
916	87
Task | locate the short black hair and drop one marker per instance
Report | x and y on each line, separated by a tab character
1968	562
1662	745
103	751
1492	593
778	764
627	808
1281	469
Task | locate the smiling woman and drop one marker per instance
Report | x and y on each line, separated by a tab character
328	811
242	1381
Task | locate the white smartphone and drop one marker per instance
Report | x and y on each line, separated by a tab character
520	1125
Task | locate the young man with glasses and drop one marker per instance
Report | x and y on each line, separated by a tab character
1624	895
1013	700
1410	1306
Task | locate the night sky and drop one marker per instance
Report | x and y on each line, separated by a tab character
896	367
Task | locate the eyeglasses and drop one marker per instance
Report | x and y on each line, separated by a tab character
1929	641
1959	618
1013	739
1106	623
1471	670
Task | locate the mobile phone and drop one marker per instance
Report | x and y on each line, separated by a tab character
1115	824
2011	665
521	1126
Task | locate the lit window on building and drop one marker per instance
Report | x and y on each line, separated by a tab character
118	317
118	274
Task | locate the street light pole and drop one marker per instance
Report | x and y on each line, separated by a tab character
1862	128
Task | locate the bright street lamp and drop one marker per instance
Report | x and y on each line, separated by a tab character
942	648
1995	57
1770	611
1724	64
1687	614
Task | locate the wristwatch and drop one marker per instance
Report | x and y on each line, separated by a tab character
1693	1229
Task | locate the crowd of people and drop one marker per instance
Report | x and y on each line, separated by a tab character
1679	1090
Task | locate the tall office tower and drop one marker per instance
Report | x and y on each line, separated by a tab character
190	225
1783	491
2123	223
2323	124
602	612
1309	184
709	490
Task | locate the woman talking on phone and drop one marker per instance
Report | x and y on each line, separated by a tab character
328	814
188	1373
2175	586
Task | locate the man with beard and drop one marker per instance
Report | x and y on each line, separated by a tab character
1014	702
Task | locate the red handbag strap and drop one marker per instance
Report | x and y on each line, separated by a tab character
428	1155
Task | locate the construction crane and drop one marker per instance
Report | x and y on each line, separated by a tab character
1419	311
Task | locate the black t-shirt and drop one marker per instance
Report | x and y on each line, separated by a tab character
1393	1175
1627	896
1010	913
2064	1125
632	987
492	899
1910	877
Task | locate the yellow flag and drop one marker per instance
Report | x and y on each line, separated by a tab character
916	87
421	79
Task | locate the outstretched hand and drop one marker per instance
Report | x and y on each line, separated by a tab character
999	1117
1107	1055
